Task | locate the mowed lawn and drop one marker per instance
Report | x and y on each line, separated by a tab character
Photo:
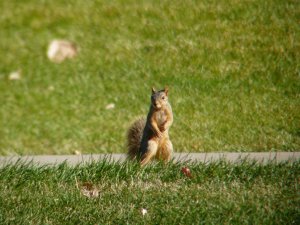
119	193
232	67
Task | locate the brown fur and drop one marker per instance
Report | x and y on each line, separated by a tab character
134	137
147	139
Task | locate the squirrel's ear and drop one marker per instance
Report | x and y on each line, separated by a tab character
153	90
166	90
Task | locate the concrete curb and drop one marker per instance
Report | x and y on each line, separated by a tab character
232	157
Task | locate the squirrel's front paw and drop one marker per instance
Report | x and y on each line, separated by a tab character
159	134
162	129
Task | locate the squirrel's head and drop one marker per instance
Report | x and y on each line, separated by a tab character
159	98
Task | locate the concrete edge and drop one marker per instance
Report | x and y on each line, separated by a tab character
232	157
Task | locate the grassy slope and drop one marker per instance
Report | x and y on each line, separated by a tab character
218	193
232	68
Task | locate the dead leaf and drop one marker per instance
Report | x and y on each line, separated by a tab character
89	190
51	88
60	50
77	152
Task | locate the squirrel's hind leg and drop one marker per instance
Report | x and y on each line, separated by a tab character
150	153
165	151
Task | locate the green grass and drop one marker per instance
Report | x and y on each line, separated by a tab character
232	68
217	193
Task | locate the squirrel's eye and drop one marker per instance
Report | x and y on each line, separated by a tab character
163	97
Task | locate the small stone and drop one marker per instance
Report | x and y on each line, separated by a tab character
16	75
110	106
144	211
60	50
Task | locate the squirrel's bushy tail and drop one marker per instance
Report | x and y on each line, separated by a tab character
134	137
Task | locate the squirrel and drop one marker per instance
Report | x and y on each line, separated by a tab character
149	138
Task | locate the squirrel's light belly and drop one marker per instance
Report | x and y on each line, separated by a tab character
161	118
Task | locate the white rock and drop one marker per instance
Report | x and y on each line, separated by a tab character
59	50
16	75
144	212
110	106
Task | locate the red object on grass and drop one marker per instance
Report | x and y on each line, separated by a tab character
186	171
